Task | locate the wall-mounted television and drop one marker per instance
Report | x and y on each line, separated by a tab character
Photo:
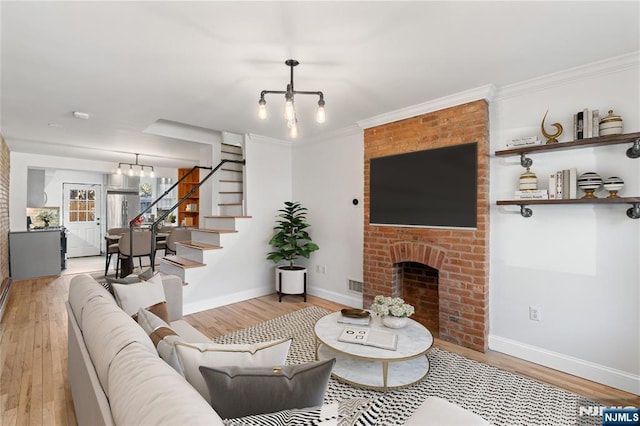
431	188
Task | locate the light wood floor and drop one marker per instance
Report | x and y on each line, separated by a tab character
33	351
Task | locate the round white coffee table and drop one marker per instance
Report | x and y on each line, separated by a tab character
371	367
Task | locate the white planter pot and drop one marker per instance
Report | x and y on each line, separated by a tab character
291	281
394	322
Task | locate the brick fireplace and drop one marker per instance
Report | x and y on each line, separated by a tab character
457	258
420	288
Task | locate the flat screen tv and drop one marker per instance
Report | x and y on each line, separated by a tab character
431	188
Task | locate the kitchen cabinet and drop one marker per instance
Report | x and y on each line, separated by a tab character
126	183
36	197
35	253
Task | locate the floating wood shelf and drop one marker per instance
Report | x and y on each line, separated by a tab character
581	143
633	152
633	212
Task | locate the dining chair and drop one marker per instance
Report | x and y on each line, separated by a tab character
161	242
141	248
112	246
177	235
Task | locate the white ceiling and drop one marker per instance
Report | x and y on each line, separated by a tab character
129	64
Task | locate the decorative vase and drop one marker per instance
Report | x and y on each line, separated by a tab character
528	181
613	185
589	182
611	125
394	322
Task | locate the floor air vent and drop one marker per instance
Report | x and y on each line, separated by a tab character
355	286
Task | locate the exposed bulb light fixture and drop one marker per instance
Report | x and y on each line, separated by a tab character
81	115
131	170
262	109
320	115
289	107
289	111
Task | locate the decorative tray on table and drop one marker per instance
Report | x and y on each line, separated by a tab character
354	313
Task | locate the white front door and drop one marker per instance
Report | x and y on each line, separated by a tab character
81	218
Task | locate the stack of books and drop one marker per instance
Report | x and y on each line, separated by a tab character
352	320
563	184
586	124
369	337
524	141
537	194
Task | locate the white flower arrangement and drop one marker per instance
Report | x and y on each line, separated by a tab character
393	306
47	216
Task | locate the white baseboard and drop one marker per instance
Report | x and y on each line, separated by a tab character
588	370
203	305
354	301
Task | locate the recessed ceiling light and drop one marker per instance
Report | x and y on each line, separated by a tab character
81	115
56	125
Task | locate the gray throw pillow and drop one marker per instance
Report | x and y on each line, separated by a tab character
238	391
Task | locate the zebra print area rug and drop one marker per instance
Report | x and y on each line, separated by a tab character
498	396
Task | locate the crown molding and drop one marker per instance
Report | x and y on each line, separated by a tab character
483	92
571	75
255	137
352	130
184	131
492	93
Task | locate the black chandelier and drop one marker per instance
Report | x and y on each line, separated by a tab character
136	164
289	108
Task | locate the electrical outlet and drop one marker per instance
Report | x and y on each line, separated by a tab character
535	313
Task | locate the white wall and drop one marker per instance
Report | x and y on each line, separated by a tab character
268	178
328	175
578	264
54	179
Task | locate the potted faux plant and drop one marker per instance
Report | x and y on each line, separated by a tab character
392	310
291	241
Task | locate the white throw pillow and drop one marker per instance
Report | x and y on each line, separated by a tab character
193	355
132	297
163	337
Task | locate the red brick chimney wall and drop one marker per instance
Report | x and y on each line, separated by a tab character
460	256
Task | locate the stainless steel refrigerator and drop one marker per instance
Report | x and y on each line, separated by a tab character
121	208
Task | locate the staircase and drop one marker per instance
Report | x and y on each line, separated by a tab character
231	182
206	262
194	260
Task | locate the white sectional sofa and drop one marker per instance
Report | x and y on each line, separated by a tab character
114	371
117	378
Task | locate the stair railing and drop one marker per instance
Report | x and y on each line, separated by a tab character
163	216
